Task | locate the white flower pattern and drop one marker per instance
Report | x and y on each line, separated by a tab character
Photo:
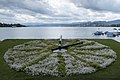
36	58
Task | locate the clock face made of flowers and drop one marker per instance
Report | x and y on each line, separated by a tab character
37	58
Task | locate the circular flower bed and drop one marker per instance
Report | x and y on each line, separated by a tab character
36	58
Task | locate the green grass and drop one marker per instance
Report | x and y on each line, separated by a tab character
96	66
26	55
37	60
89	43
28	50
112	72
61	66
103	55
99	48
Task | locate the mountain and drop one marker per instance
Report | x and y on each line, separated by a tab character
114	23
108	22
53	24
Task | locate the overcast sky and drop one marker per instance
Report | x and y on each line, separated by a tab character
58	11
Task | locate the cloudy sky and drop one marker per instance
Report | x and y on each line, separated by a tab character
58	11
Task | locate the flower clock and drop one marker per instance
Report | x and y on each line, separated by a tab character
37	58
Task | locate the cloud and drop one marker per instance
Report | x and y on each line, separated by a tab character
59	11
99	5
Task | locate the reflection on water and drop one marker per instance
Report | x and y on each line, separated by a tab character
51	32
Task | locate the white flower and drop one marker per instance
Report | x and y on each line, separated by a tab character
24	57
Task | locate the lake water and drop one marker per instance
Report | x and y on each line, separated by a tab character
53	33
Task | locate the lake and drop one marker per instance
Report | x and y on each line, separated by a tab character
53	33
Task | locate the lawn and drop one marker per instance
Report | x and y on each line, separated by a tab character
110	73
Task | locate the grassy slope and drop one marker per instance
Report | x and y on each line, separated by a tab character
110	73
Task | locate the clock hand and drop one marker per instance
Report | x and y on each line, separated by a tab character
66	46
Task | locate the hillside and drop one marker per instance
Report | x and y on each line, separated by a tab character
114	23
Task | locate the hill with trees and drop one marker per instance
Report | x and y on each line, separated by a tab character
11	25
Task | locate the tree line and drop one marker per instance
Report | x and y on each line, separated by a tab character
11	25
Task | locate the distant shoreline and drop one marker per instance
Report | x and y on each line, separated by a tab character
71	26
11	25
59	26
